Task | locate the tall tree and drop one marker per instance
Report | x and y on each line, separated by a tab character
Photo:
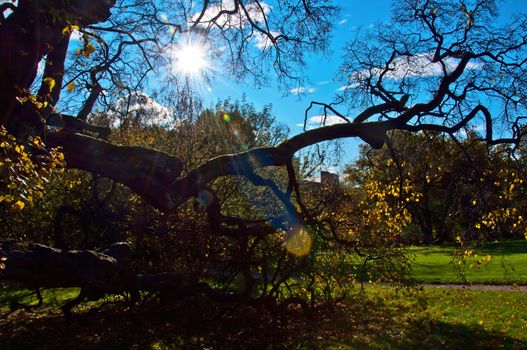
456	181
438	66
437	80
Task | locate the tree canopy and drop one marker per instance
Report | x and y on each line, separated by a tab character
438	66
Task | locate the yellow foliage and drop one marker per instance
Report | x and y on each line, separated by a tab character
22	177
71	86
26	96
69	29
88	49
382	214
19	205
50	82
504	215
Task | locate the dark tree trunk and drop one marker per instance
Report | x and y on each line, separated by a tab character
32	31
39	266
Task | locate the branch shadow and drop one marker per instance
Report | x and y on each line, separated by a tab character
197	324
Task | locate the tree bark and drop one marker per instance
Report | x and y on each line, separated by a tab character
37	265
148	172
32	31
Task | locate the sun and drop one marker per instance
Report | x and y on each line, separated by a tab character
191	58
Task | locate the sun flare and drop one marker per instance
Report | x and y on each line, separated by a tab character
191	58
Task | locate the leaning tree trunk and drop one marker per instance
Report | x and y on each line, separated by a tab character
109	272
96	274
32	31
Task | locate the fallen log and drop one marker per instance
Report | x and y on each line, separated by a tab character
109	272
96	274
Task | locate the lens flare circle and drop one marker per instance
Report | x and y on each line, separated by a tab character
299	241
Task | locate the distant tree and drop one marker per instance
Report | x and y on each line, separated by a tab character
459	182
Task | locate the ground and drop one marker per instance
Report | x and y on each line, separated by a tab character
429	317
381	318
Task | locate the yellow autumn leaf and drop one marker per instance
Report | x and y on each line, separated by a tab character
69	29
19	205
88	49
50	82
71	86
7	198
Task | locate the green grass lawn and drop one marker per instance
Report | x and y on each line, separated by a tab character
497	313
508	265
430	318
441	319
12	295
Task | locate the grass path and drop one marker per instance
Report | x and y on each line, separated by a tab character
479	287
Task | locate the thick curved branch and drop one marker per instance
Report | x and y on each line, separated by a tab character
71	124
244	163
147	172
154	174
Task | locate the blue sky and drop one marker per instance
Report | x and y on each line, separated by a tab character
321	70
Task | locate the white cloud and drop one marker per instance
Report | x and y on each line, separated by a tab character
342	21
143	107
326	120
75	35
302	90
262	41
347	87
479	129
415	66
257	12
321	120
325	82
420	65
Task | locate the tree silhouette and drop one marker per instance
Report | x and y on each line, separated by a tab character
438	66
